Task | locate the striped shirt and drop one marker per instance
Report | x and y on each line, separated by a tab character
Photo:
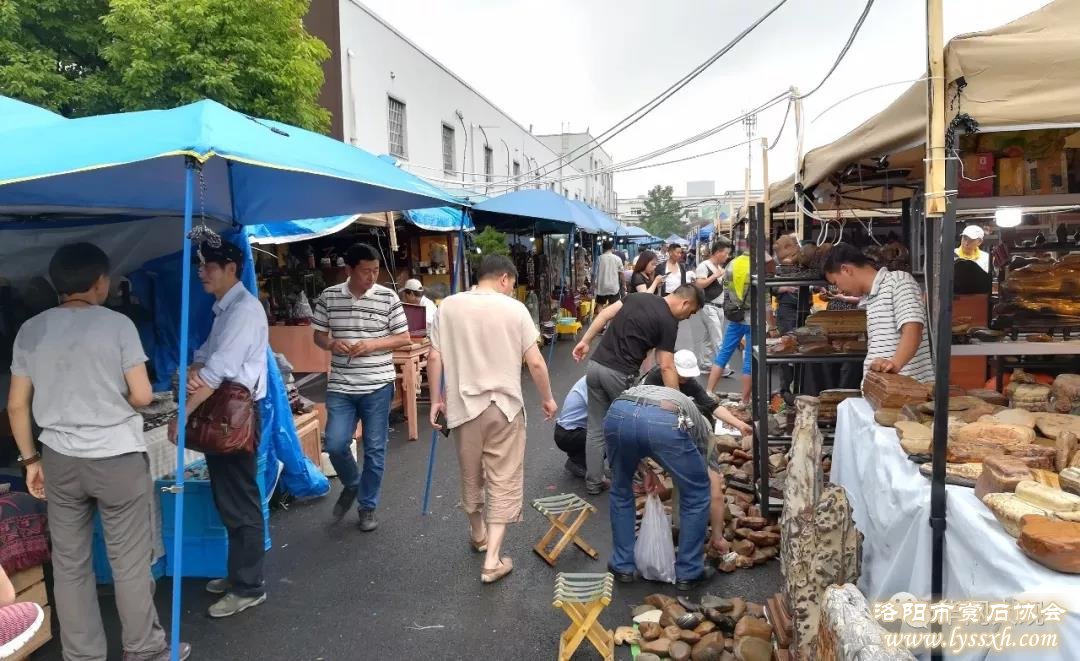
375	315
894	300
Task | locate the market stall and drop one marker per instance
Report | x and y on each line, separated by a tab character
98	177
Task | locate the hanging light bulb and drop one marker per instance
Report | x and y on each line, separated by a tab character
1008	216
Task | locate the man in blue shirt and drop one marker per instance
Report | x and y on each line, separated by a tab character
570	428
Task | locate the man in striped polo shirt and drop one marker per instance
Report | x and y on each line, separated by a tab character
895	313
360	323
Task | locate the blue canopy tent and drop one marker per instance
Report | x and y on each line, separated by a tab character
15	114
291	231
227	167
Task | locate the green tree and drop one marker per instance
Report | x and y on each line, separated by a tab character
251	56
50	54
489	241
662	213
85	57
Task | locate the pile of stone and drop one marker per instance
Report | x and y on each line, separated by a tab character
715	629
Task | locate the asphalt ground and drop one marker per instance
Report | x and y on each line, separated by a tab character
411	589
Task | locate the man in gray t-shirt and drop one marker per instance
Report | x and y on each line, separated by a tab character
79	370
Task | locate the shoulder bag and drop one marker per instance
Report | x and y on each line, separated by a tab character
225	423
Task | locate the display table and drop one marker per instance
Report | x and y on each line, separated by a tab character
890	501
408	361
297	344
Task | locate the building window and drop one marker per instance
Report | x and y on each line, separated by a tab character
396	126
489	163
517	170
448	149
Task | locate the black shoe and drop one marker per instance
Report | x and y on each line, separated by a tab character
575	469
623	578
704	578
367	520
344	502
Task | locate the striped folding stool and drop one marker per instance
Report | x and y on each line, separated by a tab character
582	597
559	510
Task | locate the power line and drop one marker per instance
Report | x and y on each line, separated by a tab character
844	50
655	102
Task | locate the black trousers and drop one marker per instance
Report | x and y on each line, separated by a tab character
572	442
787	315
236	495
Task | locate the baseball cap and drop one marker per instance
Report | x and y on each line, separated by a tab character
973	232
412	284
686	364
221	255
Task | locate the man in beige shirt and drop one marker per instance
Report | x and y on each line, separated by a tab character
481	337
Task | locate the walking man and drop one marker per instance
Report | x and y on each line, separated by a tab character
234	352
710	277
608	276
640	323
674	270
478	342
360	323
79	368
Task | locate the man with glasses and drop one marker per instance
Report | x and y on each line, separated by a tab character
360	323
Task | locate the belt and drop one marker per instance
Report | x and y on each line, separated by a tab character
665	404
715	305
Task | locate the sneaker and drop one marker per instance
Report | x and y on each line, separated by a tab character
707	575
218	586
232	603
19	622
367	520
597	489
164	655
575	469
728	373
344	502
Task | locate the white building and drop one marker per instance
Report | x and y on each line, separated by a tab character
599	189
388	96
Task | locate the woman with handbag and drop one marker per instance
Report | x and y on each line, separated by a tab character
225	384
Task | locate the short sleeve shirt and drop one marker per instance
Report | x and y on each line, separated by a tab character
482	337
608	270
637	279
894	300
644	323
375	315
76	359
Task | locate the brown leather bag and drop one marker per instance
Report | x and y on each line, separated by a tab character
225	423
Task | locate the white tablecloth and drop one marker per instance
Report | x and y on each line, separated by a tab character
890	501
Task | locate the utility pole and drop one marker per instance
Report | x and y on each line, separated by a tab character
935	106
766	218
750	125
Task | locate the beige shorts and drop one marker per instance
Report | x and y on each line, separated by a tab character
491	455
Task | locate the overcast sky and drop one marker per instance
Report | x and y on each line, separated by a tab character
589	63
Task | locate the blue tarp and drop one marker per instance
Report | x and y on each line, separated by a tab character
15	114
256	171
297	230
522	211
439	219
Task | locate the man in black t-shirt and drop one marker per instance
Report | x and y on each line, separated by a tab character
638	324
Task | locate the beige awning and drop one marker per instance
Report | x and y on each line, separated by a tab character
1023	74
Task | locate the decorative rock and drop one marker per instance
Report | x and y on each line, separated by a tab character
743	547
643	608
1053	544
738	607
1070	480
709	648
659	600
679	651
743	533
760	557
761	538
650	630
627	636
690	620
753	649
751	626
659	647
673	632
1067	444
651	616
647	656
752	522
757	610
705	628
744	562
689	637
671	613
727	566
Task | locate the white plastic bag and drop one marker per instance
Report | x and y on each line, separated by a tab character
654	552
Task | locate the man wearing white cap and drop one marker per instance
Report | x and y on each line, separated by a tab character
687	368
413	294
970	247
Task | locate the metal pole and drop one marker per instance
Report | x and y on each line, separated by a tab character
759	392
458	264
942	354
181	419
562	291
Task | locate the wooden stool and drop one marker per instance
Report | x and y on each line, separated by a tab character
582	597
558	510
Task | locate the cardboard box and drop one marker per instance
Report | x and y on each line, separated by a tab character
981	167
35	593
1012	175
1051	173
27	578
309	431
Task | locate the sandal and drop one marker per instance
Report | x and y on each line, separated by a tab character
478	547
506	565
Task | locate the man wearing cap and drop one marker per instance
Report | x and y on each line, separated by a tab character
413	294
971	247
360	323
234	352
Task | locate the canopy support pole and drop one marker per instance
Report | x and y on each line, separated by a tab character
562	292
181	418
458	269
942	355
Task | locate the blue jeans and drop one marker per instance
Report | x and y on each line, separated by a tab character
734	332
633	432
343	412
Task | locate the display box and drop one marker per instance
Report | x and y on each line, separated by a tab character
980	168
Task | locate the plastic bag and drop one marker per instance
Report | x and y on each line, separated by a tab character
654	552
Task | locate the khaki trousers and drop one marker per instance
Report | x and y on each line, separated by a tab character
491	454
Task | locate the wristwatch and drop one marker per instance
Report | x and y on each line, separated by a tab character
32	459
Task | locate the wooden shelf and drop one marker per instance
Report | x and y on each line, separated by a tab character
1018	348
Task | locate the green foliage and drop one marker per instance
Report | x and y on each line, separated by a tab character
491	241
83	57
662	213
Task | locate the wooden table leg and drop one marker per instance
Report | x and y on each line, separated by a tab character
409	382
